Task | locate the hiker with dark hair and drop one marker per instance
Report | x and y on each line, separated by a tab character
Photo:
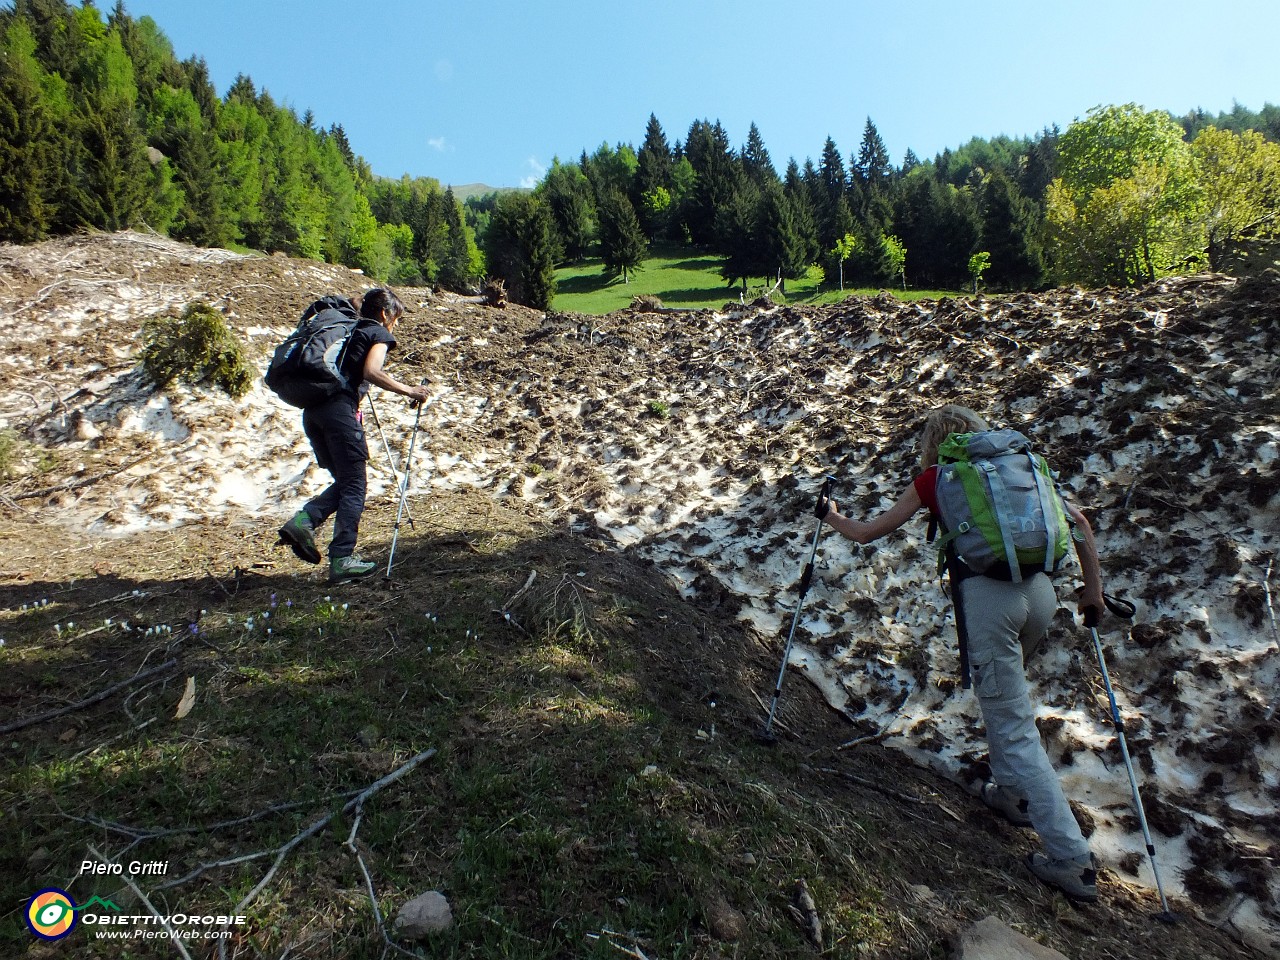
1002	615
336	433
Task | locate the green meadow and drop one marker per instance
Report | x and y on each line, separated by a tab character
681	277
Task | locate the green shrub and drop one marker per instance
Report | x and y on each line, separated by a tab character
10	446
659	409
197	347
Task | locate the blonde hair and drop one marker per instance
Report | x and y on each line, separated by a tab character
940	424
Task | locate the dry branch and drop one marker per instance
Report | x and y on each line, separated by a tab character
373	897
88	701
78	484
173	937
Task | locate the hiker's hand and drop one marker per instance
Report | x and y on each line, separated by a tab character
823	507
419	394
1090	607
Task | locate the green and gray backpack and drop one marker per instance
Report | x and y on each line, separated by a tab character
999	505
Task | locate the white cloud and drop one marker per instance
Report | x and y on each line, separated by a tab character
538	171
438	144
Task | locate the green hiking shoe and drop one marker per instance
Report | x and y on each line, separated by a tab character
343	569
300	536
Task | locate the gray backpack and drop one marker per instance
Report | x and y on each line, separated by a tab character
999	505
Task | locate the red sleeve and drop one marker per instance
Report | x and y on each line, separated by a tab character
927	487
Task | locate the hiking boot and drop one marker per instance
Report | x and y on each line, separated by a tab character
300	535
1071	878
343	569
1006	803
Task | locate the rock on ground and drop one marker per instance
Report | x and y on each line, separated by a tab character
423	915
990	939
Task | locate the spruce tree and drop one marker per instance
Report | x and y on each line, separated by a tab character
873	159
870	187
783	247
654	184
654	159
568	192
113	168
756	163
520	249
462	259
832	173
28	142
622	244
738	232
707	148
798	194
1010	234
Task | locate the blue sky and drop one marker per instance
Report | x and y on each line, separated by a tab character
491	90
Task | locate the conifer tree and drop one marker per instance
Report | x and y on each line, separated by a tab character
241	136
654	158
654	185
520	249
873	159
344	145
783	248
569	195
462	262
28	142
113	169
832	173
798	194
737	230
755	160
622	244
1010	235
712	159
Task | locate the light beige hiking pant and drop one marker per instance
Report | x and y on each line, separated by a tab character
1003	620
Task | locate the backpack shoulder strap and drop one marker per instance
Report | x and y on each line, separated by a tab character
1048	509
1003	509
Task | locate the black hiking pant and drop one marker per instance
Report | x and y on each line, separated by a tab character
337	437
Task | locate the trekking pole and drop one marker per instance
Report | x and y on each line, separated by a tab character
391	463
806	578
1124	608
1266	586
404	486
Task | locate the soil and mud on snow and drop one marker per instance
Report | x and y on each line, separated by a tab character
697	440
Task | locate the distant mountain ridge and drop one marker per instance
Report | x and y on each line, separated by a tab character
465	190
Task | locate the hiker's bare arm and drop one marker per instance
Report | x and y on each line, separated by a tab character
374	373
1087	552
877	527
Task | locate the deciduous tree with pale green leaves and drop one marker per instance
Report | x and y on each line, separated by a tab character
1239	184
845	248
1119	211
895	254
978	265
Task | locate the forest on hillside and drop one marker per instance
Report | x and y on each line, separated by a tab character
102	127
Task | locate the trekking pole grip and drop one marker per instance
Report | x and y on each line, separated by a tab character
1091	617
823	505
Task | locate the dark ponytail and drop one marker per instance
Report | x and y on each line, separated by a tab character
378	300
